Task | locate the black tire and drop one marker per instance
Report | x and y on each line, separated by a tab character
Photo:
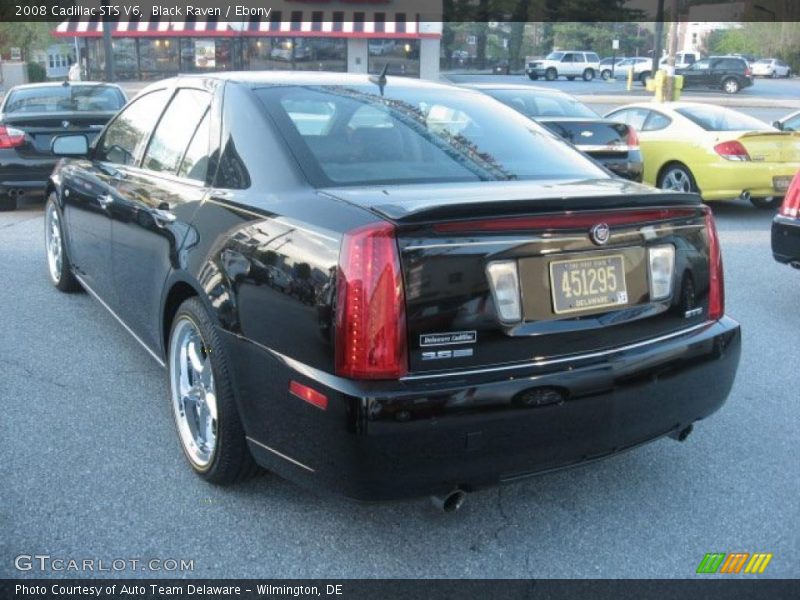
533	76
643	77
680	170
789	74
7	203
588	74
730	85
774	74
551	74
605	74
231	461
769	203
60	276
570	78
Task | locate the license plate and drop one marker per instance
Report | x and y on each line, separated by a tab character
588	284
781	184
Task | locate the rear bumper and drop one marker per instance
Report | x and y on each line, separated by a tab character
726	180
21	173
786	239
427	435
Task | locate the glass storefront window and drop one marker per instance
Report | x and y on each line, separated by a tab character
199	55
307	54
402	56
158	57
125	58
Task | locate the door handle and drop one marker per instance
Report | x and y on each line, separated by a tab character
104	200
162	216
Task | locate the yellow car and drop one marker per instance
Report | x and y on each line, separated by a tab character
718	152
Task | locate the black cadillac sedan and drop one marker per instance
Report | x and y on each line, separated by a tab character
612	143
31	115
786	227
387	287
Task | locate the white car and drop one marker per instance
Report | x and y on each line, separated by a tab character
565	63
683	60
771	67
642	68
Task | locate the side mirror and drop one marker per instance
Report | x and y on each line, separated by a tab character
777	125
70	145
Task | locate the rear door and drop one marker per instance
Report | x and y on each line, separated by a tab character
567	64
88	190
154	203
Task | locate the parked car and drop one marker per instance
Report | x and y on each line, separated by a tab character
727	73
771	67
786	227
606	65
642	68
683	60
567	64
31	115
613	144
790	122
717	152
601	320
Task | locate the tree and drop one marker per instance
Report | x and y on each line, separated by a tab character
26	35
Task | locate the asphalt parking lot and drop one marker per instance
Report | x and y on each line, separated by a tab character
92	468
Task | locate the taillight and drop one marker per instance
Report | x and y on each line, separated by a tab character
370	308
11	137
791	201
633	139
716	281
748	72
732	150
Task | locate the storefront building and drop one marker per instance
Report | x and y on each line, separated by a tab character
298	40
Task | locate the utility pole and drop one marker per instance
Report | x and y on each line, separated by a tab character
108	49
669	82
659	35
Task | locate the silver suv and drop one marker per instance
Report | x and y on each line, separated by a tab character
565	63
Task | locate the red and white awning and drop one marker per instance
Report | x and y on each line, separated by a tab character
294	25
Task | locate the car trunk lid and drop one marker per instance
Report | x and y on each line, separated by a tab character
40	128
772	146
449	235
595	138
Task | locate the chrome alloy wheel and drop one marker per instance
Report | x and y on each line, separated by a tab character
52	240
194	398
677	180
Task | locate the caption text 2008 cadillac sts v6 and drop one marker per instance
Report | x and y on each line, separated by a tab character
388	288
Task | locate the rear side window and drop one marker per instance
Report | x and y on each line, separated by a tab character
716	118
731	64
416	135
195	162
127	134
590	57
175	130
65	98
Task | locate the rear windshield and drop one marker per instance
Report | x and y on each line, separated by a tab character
535	104
715	118
343	135
65	98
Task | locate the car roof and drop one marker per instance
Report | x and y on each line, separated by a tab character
267	78
668	107
46	84
514	86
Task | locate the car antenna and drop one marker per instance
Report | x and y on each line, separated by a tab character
380	80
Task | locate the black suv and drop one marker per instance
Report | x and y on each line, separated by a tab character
728	73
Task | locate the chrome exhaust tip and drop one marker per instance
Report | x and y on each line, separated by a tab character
450	502
745	195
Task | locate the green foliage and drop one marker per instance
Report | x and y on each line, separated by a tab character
28	36
764	40
633	39
36	72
